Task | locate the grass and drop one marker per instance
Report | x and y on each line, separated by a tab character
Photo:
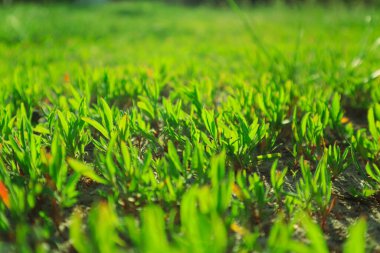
144	127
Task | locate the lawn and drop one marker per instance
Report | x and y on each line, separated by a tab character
148	127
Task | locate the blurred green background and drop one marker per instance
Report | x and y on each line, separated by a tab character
219	2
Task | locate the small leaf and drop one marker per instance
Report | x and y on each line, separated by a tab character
335	107
85	170
375	173
63	123
146	106
97	126
108	115
77	238
41	130
304	121
315	235
153	230
4	195
356	241
372	125
174	158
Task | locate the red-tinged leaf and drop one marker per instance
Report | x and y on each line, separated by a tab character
345	120
66	78
4	195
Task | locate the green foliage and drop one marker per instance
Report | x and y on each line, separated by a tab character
146	127
356	237
101	231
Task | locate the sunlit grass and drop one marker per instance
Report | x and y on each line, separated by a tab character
155	128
